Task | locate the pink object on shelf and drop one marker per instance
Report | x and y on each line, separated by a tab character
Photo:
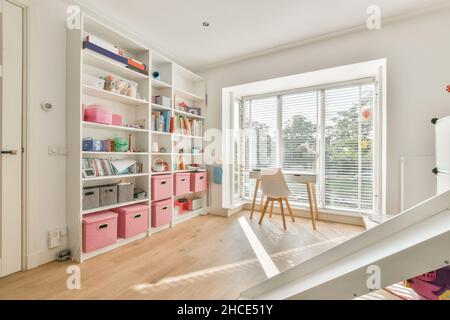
182	183
161	187
199	181
117	120
161	213
133	220
99	230
98	114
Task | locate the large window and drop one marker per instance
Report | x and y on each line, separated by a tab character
326	130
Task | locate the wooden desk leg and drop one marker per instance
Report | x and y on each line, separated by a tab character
316	208
311	204
254	199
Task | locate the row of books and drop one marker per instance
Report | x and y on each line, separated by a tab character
108	50
187	126
161	121
101	167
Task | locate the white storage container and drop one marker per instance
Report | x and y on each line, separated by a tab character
93	82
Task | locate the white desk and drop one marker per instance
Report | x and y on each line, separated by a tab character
307	178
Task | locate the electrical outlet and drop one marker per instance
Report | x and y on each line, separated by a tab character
54	239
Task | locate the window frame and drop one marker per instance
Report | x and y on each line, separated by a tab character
321	137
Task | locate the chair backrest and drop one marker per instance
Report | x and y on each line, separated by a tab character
273	184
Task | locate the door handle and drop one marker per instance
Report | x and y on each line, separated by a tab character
11	152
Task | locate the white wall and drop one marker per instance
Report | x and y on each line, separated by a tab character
418	70
47	84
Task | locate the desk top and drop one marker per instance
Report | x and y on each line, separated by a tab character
291	176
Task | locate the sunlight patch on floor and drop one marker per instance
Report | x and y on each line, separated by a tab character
287	256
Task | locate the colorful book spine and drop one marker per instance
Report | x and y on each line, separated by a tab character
136	64
104	52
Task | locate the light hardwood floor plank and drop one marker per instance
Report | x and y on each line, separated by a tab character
204	258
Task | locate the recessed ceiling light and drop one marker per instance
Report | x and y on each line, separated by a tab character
206	24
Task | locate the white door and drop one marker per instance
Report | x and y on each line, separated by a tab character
11	138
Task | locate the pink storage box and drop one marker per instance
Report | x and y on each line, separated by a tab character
98	114
161	213
133	220
199	181
117	120
99	230
182	184
161	187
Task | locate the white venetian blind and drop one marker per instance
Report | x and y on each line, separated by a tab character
346	138
349	156
300	112
261	138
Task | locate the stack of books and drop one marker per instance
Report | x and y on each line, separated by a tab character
110	51
188	126
102	167
161	121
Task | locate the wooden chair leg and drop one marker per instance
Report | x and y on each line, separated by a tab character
311	209
262	203
254	199
264	211
282	213
271	209
289	209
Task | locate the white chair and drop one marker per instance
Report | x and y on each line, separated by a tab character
275	188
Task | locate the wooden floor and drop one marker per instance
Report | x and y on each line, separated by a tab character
205	258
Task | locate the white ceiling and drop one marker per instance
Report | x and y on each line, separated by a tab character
238	27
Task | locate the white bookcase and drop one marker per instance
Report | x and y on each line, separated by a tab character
175	82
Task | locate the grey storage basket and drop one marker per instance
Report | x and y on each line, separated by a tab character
91	198
126	192
108	196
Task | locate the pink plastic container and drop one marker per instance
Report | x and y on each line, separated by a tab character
117	120
182	183
99	230
161	213
133	220
199	181
161	187
425	289
98	114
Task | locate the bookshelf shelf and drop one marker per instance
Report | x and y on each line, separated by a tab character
119	205
111	127
187	136
118	177
189	115
97	61
157	107
176	83
115	153
188	95
161	133
160	84
161	173
106	95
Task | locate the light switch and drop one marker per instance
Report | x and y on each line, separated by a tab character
57	151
